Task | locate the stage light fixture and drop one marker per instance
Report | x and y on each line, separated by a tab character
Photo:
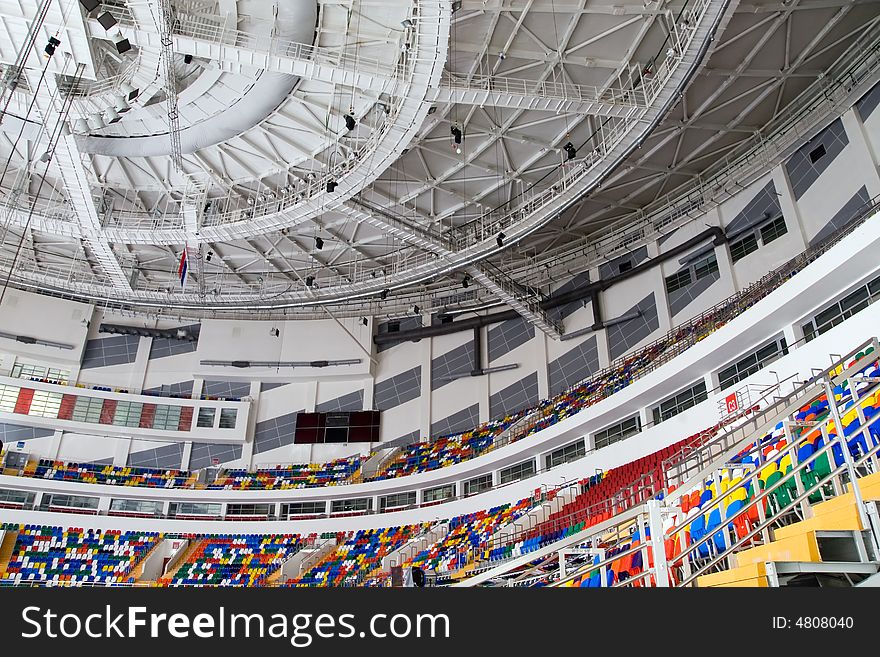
350	123
319	243
107	21
331	185
310	281
500	239
456	134
384	294
570	150
50	47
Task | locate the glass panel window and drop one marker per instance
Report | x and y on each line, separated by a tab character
439	493
303	509
741	248
228	417
774	230
45	404
566	454
350	506
618	432
8	398
517	472
706	267
397	501
478	484
678	280
206	418
752	363
680	402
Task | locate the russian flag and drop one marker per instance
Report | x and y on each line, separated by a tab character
183	268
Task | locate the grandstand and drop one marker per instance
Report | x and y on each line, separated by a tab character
313	294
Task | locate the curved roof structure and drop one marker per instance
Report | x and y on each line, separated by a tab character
366	157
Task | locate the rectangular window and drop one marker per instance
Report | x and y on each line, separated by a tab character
40	373
680	402
774	230
69	502
741	248
351	506
167	418
438	494
397	501
228	417
128	414
17	498
303	509
754	362
478	484
45	404
200	509
139	507
817	153
678	280
517	472
566	454
705	267
8	398
261	510
841	310
87	409
206	418
618	432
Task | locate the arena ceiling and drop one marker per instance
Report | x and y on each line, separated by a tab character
312	167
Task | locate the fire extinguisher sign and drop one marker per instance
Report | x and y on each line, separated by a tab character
732	402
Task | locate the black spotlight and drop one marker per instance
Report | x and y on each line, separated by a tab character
310	281
50	47
466	281
500	239
209	256
187	59
570	149
384	294
456	134
364	321
350	123
89	5
319	243
106	20
331	185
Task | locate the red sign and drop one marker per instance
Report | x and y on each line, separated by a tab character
215	461
731	402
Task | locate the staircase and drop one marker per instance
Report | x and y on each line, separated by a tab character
7	548
178	563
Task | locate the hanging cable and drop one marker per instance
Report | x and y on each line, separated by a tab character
56	133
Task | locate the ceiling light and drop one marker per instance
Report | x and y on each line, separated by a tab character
466	281
414	309
331	185
46	156
208	256
571	150
364	321
89	5
187	59
319	243
122	104
310	281
456	134
500	239
350	123
80	126
384	294
456	6
406	22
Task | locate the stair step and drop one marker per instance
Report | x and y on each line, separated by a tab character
842	519
751	575
799	547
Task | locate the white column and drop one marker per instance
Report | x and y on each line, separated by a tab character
138	369
862	151
789	207
483	381
187	454
664	316
542	361
424	424
120	456
247	449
